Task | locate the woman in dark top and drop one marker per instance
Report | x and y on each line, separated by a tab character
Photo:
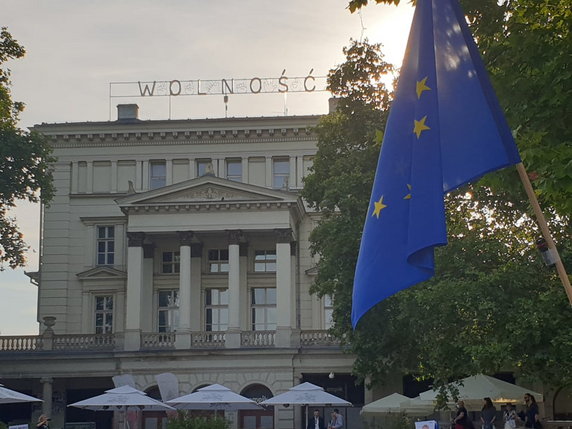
488	414
461	418
532	419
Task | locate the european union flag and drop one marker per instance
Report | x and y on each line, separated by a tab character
444	130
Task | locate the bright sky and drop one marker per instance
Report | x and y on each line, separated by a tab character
75	48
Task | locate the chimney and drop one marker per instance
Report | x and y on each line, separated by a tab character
127	112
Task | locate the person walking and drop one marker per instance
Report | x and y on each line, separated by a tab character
488	414
532	419
461	418
316	421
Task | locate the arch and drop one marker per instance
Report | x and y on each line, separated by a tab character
256	391
562	403
153	392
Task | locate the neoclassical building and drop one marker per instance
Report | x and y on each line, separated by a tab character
181	247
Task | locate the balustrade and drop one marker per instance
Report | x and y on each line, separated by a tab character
28	343
257	338
158	340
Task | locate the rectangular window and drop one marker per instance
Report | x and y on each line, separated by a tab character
157	174
168	311
218	260
216	310
204	166
103	314
328	311
171	263
234	170
263	309
265	261
280	173
105	245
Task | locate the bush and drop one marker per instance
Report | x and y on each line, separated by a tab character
185	421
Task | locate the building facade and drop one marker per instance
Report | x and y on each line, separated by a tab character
178	246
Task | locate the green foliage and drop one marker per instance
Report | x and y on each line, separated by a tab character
24	161
185	421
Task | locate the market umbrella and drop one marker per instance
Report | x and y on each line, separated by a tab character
8	396
397	403
213	397
473	389
306	394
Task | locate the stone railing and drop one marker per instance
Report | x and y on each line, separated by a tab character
310	338
91	342
28	343
158	340
257	338
208	339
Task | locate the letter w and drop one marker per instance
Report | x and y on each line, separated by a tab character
145	90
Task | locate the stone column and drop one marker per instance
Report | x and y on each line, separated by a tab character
244	298
293	180
183	337
134	288
47	389
284	302
233	333
196	303
147	288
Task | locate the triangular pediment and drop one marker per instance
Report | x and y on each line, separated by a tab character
102	273
207	189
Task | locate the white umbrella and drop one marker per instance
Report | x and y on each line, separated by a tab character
122	398
397	403
213	397
475	388
306	394
8	396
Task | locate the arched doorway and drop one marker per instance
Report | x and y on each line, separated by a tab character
563	404
154	419
256	419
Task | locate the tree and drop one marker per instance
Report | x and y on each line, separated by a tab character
492	305
24	161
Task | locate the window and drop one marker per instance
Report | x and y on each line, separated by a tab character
204	166
265	261
216	310
234	170
168	310
157	174
328	311
218	260
171	262
105	245
280	173
103	314
263	302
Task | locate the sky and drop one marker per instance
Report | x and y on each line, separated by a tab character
75	48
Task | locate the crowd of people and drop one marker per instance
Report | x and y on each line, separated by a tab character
529	417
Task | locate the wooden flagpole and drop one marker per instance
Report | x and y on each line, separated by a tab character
544	229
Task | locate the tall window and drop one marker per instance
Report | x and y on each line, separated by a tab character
234	170
171	262
157	174
105	245
218	260
280	173
216	310
103	314
168	310
263	307
204	166
265	261
328	311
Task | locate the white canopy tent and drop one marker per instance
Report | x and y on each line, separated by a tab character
9	396
306	394
214	397
397	403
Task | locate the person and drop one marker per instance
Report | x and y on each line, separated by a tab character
43	422
462	417
488	414
509	417
316	421
337	421
532	417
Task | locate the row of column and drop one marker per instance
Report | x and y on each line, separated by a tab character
141	179
140	287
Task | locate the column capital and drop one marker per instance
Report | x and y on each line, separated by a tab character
283	235
185	237
235	236
135	239
46	380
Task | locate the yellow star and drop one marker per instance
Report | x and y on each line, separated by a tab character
420	126
408	196
420	87
379	206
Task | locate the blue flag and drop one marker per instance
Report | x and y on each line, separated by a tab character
445	129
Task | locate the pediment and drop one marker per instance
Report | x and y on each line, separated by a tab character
207	189
102	273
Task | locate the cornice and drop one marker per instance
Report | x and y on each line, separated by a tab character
208	206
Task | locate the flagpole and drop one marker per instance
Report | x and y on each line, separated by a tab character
544	229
